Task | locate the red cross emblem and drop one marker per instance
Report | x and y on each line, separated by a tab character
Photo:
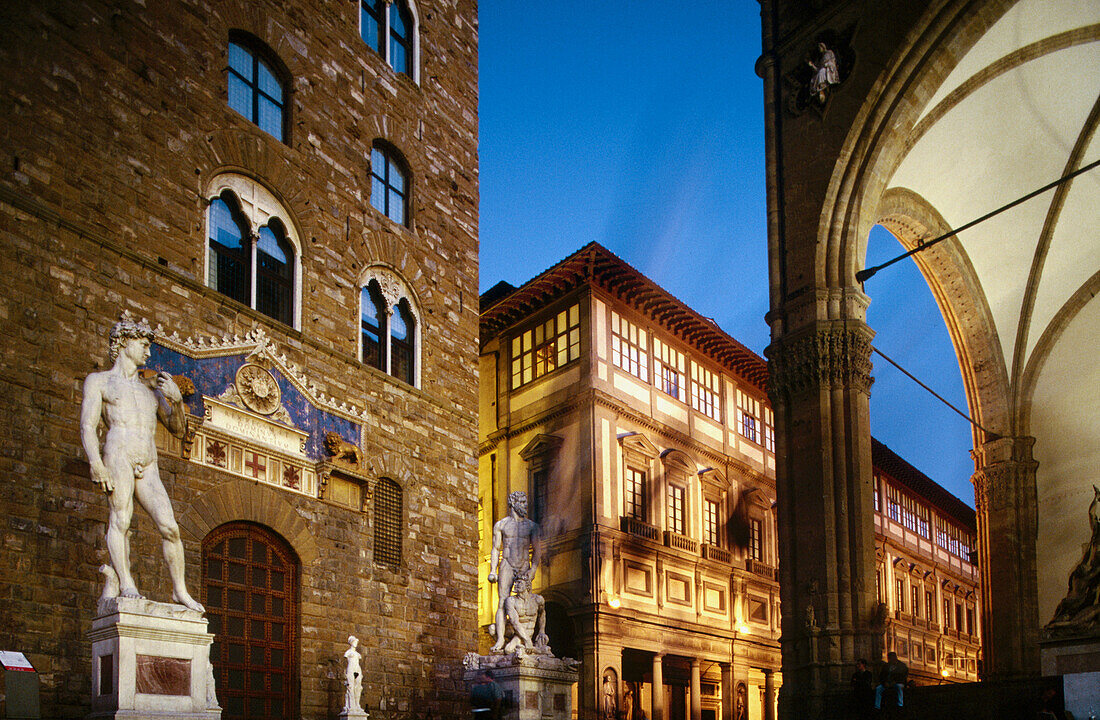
256	463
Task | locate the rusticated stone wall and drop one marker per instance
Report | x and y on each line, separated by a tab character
116	119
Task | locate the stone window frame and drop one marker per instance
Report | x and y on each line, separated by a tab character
759	509
385	38
678	471
561	336
712	487
396	293
541	455
260	53
639	453
258	206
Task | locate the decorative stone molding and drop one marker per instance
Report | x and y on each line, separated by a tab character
1009	466
831	357
259	348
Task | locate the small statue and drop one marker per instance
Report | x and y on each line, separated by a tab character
826	73
126	467
353	678
610	704
341	449
516	549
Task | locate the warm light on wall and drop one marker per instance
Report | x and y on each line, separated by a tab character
742	628
614	602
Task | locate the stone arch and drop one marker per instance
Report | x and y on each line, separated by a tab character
250	18
954	284
873	148
240	500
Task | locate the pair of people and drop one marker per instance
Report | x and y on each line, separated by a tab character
894	675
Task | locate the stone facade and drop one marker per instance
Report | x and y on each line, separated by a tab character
118	127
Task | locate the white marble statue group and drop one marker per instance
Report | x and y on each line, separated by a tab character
130	403
516	550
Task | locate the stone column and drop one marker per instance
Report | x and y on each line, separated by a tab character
728	690
769	695
696	691
657	712
820	387
1004	490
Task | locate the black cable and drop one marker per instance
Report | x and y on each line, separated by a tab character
989	435
866	273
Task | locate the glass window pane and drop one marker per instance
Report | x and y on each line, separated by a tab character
378	194
396	177
268	83
271	118
269	245
398	57
396	208
240	60
368	24
397	324
397	21
240	96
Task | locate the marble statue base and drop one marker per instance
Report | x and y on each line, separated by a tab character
536	687
353	715
1073	653
151	660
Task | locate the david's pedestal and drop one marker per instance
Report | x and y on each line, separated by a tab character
151	661
536	687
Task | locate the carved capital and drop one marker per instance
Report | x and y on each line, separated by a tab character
1008	469
838	356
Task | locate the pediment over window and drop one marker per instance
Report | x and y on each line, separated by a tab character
541	446
756	496
713	476
636	442
679	460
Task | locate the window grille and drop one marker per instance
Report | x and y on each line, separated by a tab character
387	522
756	540
748	410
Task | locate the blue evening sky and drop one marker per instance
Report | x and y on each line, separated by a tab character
641	125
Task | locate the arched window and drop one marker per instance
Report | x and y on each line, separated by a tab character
274	272
373	326
250	579
391	30
252	248
387	522
389	193
230	255
402	342
401	50
389	324
255	89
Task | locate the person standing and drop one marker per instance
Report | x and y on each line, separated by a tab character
863	693
486	697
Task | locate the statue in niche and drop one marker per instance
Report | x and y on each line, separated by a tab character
1081	607
353	678
517	551
826	73
130	404
610	704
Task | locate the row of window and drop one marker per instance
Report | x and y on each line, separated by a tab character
258	82
630	352
920	601
262	270
257	93
914	515
635	492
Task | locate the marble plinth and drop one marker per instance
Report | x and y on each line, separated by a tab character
536	687
151	660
